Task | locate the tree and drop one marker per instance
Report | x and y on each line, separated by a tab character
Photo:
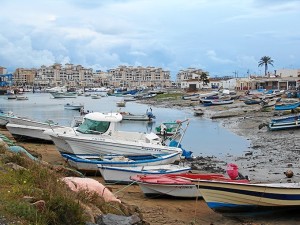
204	78
265	61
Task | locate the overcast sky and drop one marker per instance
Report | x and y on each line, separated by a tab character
219	36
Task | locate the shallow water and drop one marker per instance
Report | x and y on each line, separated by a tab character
203	136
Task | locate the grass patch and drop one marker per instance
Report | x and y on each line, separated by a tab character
62	206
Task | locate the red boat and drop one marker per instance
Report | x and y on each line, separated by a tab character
177	185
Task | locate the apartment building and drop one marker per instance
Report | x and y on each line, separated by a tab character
129	76
3	70
70	75
23	77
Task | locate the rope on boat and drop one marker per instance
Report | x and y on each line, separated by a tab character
125	187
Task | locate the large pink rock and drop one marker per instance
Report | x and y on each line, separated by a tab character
79	183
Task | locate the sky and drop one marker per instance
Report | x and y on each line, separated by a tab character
222	37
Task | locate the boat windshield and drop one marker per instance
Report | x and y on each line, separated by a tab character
93	127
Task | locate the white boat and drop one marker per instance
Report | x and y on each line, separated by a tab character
213	93
11	96
28	129
98	134
73	106
4	118
230	197
90	163
64	94
56	89
21	97
121	103
148	116
112	174
95	96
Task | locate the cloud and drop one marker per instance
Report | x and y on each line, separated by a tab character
213	56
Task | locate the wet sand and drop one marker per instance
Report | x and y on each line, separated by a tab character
271	154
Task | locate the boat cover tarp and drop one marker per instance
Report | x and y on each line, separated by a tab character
185	153
78	183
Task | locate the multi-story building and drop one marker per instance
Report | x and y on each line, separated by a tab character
129	76
3	70
70	75
190	78
23	77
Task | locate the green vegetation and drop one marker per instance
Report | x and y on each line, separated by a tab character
265	61
20	188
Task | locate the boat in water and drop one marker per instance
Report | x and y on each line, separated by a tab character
64	94
73	106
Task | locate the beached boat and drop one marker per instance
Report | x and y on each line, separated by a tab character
212	93
191	96
290	122
124	174
252	101
218	102
176	185
73	106
98	134
287	106
4	118
25	129
90	163
64	94
266	103
230	197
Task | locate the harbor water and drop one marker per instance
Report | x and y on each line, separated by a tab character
203	137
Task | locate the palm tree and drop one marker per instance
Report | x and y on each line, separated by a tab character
265	61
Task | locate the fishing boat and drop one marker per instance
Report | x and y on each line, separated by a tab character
24	129
291	106
168	128
182	185
148	116
123	174
121	103
218	102
21	97
285	123
90	163
198	112
64	94
252	101
73	106
11	96
231	197
98	134
95	96
4	118
266	103
191	96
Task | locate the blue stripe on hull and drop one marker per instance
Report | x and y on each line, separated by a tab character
291	197
248	210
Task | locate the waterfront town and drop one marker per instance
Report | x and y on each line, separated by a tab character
272	158
130	77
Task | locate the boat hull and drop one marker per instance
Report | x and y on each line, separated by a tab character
244	198
122	175
89	163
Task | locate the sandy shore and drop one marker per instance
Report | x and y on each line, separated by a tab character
271	154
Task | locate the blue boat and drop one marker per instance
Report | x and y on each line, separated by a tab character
285	123
287	106
90	163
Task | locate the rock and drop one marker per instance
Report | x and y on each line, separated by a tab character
40	205
15	166
112	219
